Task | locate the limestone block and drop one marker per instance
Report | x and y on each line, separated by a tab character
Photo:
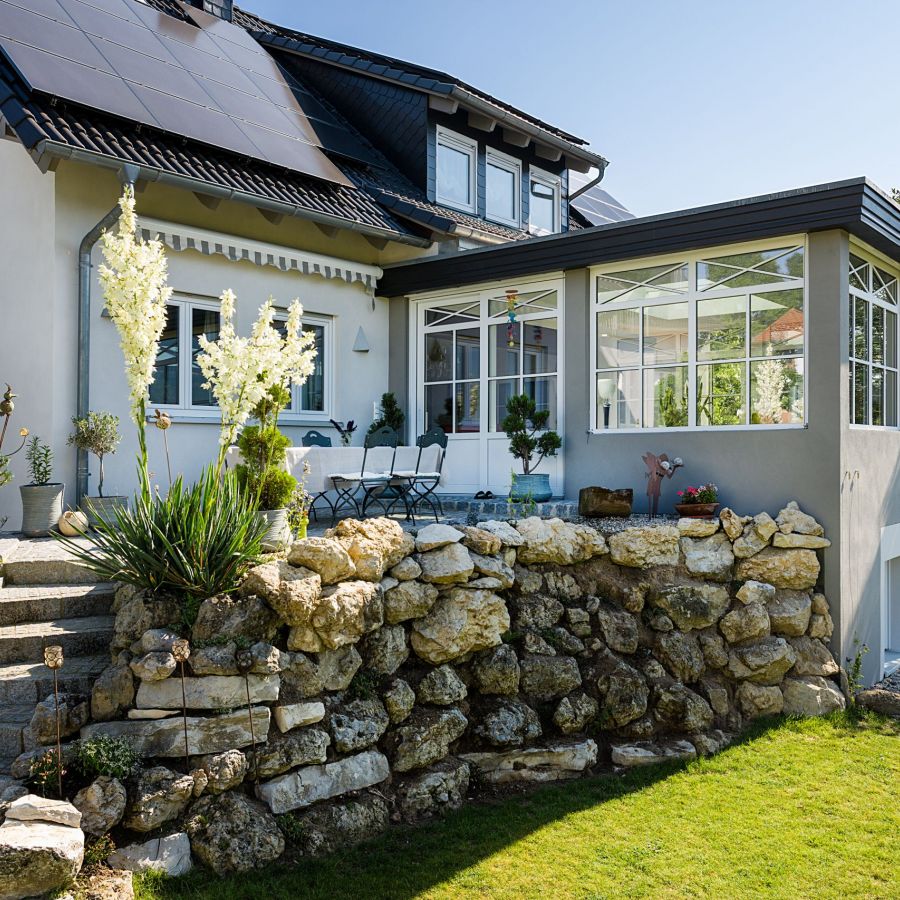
170	855
37	858
293	715
692	606
436	535
648	753
450	564
208	692
710	557
555	541
559	760
328	558
811	696
795	569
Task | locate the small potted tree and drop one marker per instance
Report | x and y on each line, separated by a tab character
389	415
42	499
98	433
526	427
261	473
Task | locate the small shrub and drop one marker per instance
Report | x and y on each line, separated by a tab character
97	850
390	415
105	755
44	773
261	475
292	827
97	433
39	457
363	687
526	428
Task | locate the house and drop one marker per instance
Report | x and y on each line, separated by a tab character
411	212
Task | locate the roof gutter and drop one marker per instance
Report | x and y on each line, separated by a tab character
586	187
54	149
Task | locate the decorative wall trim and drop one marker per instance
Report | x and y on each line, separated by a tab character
237	249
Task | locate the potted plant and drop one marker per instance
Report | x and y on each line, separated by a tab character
261	473
525	426
345	431
42	500
390	415
98	433
698	502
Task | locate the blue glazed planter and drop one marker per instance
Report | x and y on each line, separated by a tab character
530	487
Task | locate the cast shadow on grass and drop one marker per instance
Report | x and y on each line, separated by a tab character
406	861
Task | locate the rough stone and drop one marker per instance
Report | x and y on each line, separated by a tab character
224	771
575	712
692	605
170	855
357	725
715	653
248	617
801	541
281	752
535	644
536	611
821	627
297	594
216	659
715	691
450	564
681	710
695	527
601	502
648	753
385	650
159	796
426	737
507	722
460	622
74	712
745	622
345	612
154	666
493	567
436	535
559	760
549	677
792	520
336	668
436	790
755	700
481	541
208	692
497	671
623	695
327	828
266	659
508	535
327	558
101	804
399	699
711	742
294	715
763	662
813	657
555	541
406	570
710	557
884	702
138	612
37	858
314	783
231	833
32	808
642	548
811	696
165	737
620	629
732	523
790	612
374	545
756	592
112	693
756	535
794	569
680	653
409	600
441	687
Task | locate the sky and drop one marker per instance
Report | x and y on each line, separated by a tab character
692	102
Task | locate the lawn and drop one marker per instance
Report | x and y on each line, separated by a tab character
797	809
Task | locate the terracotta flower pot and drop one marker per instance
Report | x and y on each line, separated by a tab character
696	510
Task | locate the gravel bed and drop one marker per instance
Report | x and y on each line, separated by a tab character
612	524
891	683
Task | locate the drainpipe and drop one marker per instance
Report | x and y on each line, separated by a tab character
586	187
128	175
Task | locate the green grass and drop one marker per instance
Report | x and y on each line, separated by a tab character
798	809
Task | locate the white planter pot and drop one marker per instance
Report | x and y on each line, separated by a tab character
278	534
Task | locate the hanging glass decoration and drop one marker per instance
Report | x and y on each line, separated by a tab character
512	297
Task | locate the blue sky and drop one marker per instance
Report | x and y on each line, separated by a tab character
692	102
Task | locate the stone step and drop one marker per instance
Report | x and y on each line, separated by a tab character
45	561
44	603
32	682
12	720
78	637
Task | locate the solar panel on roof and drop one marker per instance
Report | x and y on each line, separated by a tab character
596	204
209	81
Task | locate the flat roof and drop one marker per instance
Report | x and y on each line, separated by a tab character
855	205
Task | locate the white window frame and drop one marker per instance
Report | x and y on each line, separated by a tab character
296	414
514	167
554	182
186	303
454	141
692	296
874	260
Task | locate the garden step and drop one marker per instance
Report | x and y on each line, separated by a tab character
78	637
44	603
45	561
13	719
32	682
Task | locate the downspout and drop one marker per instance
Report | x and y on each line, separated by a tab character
586	187
128	175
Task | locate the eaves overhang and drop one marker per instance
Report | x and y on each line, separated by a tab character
855	205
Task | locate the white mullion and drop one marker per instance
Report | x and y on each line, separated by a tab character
692	345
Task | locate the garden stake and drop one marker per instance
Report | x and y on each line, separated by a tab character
244	661
163	423
181	650
53	660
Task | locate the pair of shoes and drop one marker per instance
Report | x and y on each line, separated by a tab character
484	495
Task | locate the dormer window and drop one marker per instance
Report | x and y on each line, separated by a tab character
456	164
502	193
543	202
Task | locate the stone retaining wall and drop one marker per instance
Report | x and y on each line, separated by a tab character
385	671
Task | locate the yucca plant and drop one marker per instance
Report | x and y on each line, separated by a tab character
196	542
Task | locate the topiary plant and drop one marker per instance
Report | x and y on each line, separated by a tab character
525	426
391	415
97	433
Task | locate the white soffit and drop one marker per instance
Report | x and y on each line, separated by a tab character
237	249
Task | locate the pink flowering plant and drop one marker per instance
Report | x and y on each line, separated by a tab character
706	493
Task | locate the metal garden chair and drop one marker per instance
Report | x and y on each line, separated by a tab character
314	438
348	484
421	485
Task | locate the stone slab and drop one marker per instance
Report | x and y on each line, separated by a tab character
551	763
293	715
208	692
170	854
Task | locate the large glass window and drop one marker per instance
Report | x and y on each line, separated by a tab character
873	343
502	187
717	341
452	372
456	163
312	398
543	202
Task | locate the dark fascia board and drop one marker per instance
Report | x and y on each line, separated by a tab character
856	205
